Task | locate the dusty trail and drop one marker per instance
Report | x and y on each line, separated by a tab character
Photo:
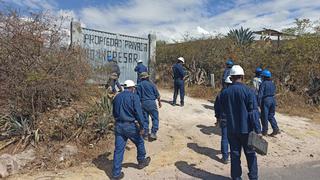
188	148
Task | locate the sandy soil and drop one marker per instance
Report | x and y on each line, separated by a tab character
188	147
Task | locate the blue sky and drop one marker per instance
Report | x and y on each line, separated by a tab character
170	19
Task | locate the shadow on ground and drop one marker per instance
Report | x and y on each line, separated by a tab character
212	153
209	130
166	101
193	171
103	162
208	106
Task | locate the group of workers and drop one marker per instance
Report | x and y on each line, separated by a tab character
237	112
236	109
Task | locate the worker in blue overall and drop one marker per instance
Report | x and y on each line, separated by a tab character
114	74
226	72
178	76
267	103
148	93
140	68
222	122
240	107
257	80
129	124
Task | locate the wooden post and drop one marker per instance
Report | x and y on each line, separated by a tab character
212	80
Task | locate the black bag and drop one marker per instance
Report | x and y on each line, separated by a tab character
257	143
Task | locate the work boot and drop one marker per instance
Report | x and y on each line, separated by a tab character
275	132
146	136
224	161
264	133
181	104
118	177
153	136
144	163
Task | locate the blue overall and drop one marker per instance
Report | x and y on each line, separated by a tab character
126	111
219	114
148	93
226	73
178	75
140	68
267	104
240	106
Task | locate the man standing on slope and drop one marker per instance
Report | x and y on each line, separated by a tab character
240	106
140	68
178	76
129	124
148	93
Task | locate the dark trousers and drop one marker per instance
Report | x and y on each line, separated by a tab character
123	132
149	108
237	142
178	86
268	108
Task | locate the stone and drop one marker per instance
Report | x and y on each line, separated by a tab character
8	165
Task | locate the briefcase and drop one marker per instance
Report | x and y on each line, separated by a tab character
257	143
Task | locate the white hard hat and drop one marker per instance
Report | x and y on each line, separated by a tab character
181	59
236	70
129	83
228	80
140	61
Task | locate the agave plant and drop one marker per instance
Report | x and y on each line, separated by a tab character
241	36
19	126
82	119
105	104
102	125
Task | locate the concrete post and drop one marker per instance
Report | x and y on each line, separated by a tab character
152	56
75	31
212	81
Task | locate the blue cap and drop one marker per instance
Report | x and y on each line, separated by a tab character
266	73
229	62
258	70
109	58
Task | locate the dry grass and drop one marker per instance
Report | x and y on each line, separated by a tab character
295	105
202	92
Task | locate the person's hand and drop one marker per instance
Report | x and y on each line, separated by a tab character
141	132
160	104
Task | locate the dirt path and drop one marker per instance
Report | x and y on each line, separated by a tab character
188	148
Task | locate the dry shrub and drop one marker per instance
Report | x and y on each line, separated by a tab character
204	92
295	65
38	69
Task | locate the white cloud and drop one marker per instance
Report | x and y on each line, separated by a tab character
35	4
170	19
